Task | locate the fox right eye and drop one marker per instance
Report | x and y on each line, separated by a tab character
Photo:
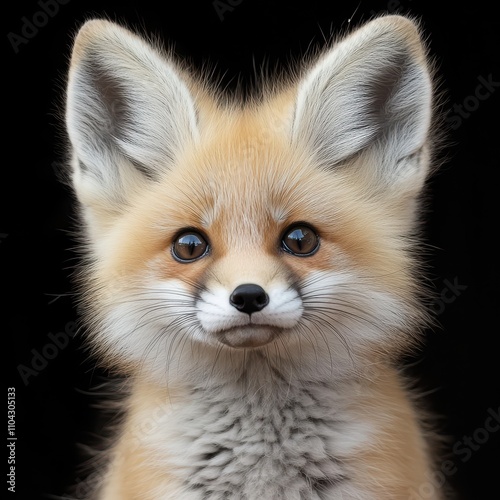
189	246
300	240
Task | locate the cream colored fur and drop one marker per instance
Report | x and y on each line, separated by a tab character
317	408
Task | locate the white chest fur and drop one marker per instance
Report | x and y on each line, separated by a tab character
277	439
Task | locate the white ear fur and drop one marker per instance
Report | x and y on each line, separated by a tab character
371	89
128	113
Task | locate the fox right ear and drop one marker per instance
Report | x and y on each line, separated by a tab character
371	89
128	114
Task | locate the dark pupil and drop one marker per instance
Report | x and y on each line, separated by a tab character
301	240
190	246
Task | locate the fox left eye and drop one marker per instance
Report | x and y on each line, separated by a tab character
300	240
189	246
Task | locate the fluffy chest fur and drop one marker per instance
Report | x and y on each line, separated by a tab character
283	440
267	436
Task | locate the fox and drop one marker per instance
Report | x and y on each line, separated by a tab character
252	266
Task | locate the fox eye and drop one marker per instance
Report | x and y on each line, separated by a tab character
300	240
189	245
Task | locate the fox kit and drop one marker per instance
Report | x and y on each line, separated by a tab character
251	267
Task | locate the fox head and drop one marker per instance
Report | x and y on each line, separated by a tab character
281	229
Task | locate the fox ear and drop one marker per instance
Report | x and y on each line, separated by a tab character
371	89
128	113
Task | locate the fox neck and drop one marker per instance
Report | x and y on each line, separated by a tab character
267	370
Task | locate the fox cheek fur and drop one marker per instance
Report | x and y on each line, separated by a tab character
253	267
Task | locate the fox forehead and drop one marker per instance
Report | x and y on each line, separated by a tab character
243	180
226	188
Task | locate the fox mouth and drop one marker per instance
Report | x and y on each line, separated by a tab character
248	336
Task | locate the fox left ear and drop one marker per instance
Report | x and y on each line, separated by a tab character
129	112
372	89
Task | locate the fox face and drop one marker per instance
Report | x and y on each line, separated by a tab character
282	229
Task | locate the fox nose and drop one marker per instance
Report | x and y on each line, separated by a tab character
249	298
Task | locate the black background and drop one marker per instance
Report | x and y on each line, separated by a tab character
458	370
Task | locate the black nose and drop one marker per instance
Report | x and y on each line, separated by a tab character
249	298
